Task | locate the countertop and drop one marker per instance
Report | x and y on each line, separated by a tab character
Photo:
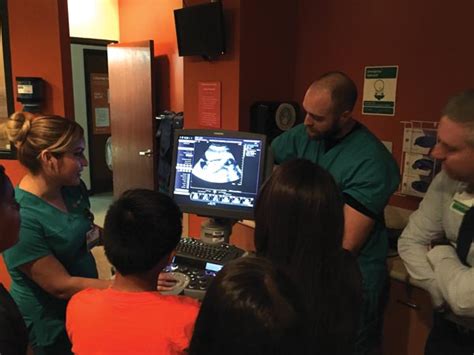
397	270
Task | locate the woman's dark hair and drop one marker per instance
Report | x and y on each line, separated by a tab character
140	229
251	308
299	225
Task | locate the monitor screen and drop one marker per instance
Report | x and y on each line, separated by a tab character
217	173
200	30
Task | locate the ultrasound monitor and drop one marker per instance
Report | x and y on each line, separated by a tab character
217	173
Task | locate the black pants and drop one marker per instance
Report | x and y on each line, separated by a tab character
447	338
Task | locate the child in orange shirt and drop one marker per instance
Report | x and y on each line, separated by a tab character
141	230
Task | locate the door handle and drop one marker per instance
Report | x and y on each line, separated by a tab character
408	304
145	153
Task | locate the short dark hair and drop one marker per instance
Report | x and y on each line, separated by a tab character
251	308
460	109
343	90
299	226
141	228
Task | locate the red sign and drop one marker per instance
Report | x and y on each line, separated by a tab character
209	104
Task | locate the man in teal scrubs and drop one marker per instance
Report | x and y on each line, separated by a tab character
367	175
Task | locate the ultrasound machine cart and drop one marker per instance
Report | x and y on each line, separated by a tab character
217	174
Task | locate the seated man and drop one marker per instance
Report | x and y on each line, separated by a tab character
141	230
436	246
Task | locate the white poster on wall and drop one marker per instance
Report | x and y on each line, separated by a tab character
380	88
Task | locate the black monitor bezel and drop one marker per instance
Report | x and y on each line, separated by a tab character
209	211
208	52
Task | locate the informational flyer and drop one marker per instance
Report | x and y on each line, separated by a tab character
380	87
419	168
99	98
209	104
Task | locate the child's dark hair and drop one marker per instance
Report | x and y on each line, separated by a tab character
250	308
140	229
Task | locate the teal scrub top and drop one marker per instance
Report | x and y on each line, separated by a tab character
364	169
46	230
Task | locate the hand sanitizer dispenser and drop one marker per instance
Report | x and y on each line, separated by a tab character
30	92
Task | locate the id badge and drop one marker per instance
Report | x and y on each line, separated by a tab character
462	202
93	237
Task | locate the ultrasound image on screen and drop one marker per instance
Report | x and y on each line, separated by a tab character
217	175
217	165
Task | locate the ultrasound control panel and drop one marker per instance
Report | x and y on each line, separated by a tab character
199	279
201	262
195	252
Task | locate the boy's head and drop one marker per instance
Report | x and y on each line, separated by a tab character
141	229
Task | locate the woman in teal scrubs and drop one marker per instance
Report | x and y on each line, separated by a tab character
52	260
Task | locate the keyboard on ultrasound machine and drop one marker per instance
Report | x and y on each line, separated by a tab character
200	262
197	253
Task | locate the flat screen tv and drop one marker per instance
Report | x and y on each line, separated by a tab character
200	30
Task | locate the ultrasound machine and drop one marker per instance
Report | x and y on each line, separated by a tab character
216	174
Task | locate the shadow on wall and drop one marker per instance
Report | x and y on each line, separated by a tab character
162	82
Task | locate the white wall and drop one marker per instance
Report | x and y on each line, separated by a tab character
96	19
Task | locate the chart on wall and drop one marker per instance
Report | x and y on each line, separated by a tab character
380	88
419	168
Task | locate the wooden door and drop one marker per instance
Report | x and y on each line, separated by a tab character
132	114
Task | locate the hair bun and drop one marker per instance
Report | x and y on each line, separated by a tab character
18	127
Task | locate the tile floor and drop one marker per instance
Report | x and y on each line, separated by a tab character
99	206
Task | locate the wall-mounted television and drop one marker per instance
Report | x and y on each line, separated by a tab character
200	30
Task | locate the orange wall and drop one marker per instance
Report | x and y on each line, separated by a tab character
226	70
267	53
39	44
429	40
153	19
39	40
275	55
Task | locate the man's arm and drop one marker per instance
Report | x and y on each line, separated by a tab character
455	280
357	227
425	225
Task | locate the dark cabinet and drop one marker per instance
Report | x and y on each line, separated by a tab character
408	320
